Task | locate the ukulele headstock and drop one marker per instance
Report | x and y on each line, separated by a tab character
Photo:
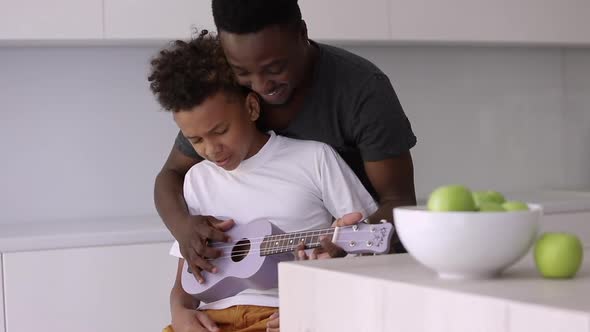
365	238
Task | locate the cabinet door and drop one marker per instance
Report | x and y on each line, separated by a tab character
491	21
56	19
156	19
346	20
118	288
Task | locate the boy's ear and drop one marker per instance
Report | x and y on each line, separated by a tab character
253	106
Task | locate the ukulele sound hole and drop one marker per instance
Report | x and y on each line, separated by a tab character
240	251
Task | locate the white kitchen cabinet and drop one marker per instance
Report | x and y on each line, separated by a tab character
115	288
346	20
51	20
156	19
395	293
491	21
520	22
2	324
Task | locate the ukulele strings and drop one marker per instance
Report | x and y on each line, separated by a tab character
301	234
239	253
223	245
269	250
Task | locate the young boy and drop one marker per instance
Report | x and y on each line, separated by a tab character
246	175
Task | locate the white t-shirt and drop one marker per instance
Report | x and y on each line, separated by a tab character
297	185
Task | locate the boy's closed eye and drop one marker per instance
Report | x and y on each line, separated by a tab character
216	132
221	131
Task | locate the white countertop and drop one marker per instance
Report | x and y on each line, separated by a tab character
394	292
82	233
128	230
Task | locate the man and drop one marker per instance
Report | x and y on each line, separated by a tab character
309	91
243	168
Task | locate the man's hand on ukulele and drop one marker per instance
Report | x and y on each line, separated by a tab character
193	239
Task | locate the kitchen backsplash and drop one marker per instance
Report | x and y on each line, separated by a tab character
81	136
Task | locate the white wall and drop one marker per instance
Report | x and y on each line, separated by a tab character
512	119
576	129
81	136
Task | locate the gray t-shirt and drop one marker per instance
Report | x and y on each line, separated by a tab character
350	106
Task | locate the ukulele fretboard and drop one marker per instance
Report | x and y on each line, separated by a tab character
282	243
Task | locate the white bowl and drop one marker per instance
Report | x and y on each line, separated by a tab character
467	245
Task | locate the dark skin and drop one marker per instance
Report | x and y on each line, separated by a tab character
276	63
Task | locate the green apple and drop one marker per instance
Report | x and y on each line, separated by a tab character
451	198
558	255
488	196
491	207
515	206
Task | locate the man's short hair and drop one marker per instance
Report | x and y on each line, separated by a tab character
248	16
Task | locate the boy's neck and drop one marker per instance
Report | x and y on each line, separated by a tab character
260	139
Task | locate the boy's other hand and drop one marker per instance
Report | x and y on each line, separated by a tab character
190	320
192	241
273	324
328	249
348	219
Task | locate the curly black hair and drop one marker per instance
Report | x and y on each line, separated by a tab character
186	73
248	16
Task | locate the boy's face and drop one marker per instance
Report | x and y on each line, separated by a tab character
222	129
270	62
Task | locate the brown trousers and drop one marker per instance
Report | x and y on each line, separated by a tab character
240	318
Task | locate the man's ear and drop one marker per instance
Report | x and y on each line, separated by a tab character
253	106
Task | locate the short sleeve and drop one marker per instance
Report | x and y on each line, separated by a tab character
189	193
380	126
175	250
342	192
182	144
